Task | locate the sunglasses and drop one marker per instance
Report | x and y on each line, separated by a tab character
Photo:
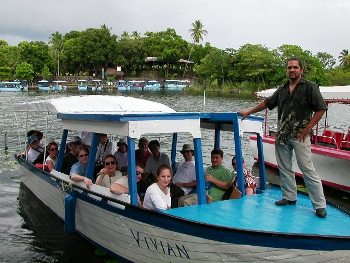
111	162
53	149
83	155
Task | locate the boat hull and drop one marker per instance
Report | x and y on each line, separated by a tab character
133	234
332	165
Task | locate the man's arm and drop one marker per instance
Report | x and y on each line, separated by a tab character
306	131
245	113
190	184
218	183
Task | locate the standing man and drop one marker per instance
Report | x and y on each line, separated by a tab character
300	107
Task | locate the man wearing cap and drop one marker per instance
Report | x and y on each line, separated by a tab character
185	176
121	155
34	148
104	147
158	158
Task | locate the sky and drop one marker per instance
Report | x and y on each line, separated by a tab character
314	25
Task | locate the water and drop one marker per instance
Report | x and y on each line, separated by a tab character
30	232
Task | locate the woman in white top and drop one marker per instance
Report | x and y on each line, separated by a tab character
157	196
109	174
51	159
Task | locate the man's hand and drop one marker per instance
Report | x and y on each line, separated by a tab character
244	114
303	133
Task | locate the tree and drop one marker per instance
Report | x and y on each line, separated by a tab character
25	71
45	73
344	58
197	32
56	41
5	73
327	60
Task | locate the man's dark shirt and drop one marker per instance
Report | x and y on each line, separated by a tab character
68	160
296	109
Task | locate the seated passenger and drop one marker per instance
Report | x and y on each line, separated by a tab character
157	196
157	159
121	186
69	157
51	159
249	179
78	170
109	174
142	153
121	155
185	176
104	148
217	175
34	148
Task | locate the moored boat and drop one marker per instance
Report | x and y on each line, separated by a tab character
330	147
122	85
82	85
12	86
152	85
59	85
136	85
175	85
44	85
248	229
96	85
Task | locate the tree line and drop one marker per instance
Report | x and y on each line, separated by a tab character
88	52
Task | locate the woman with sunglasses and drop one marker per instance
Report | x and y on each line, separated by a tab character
78	170
121	186
51	159
108	174
157	196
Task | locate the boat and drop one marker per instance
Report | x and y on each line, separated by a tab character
82	85
330	147
251	228
122	85
43	85
152	85
96	85
59	85
12	86
176	85
136	85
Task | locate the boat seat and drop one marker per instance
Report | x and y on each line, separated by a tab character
328	137
345	144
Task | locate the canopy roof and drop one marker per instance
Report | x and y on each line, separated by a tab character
330	94
116	115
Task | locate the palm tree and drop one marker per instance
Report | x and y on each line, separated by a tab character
56	40
344	57
197	33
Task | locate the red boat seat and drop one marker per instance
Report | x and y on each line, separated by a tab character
329	137
345	144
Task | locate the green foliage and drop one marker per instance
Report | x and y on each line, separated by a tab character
327	60
197	31
45	73
338	76
8	56
6	73
25	71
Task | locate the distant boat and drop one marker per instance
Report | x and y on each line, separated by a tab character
175	84
82	85
122	85
152	85
12	86
58	85
96	85
136	84
44	85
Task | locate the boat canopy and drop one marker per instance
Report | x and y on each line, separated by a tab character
116	115
330	93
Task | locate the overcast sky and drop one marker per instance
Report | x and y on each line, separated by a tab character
315	25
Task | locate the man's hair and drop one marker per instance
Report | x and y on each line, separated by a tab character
217	151
295	59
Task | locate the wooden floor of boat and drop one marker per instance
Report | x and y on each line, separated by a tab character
258	212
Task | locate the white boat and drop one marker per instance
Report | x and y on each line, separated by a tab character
12	86
330	148
176	85
122	85
248	229
136	85
59	85
43	85
152	85
82	85
96	85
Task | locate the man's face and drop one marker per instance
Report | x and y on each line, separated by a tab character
188	155
103	139
216	160
294	70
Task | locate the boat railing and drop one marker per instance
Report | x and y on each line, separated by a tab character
330	138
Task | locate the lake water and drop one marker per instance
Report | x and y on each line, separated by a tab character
30	232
